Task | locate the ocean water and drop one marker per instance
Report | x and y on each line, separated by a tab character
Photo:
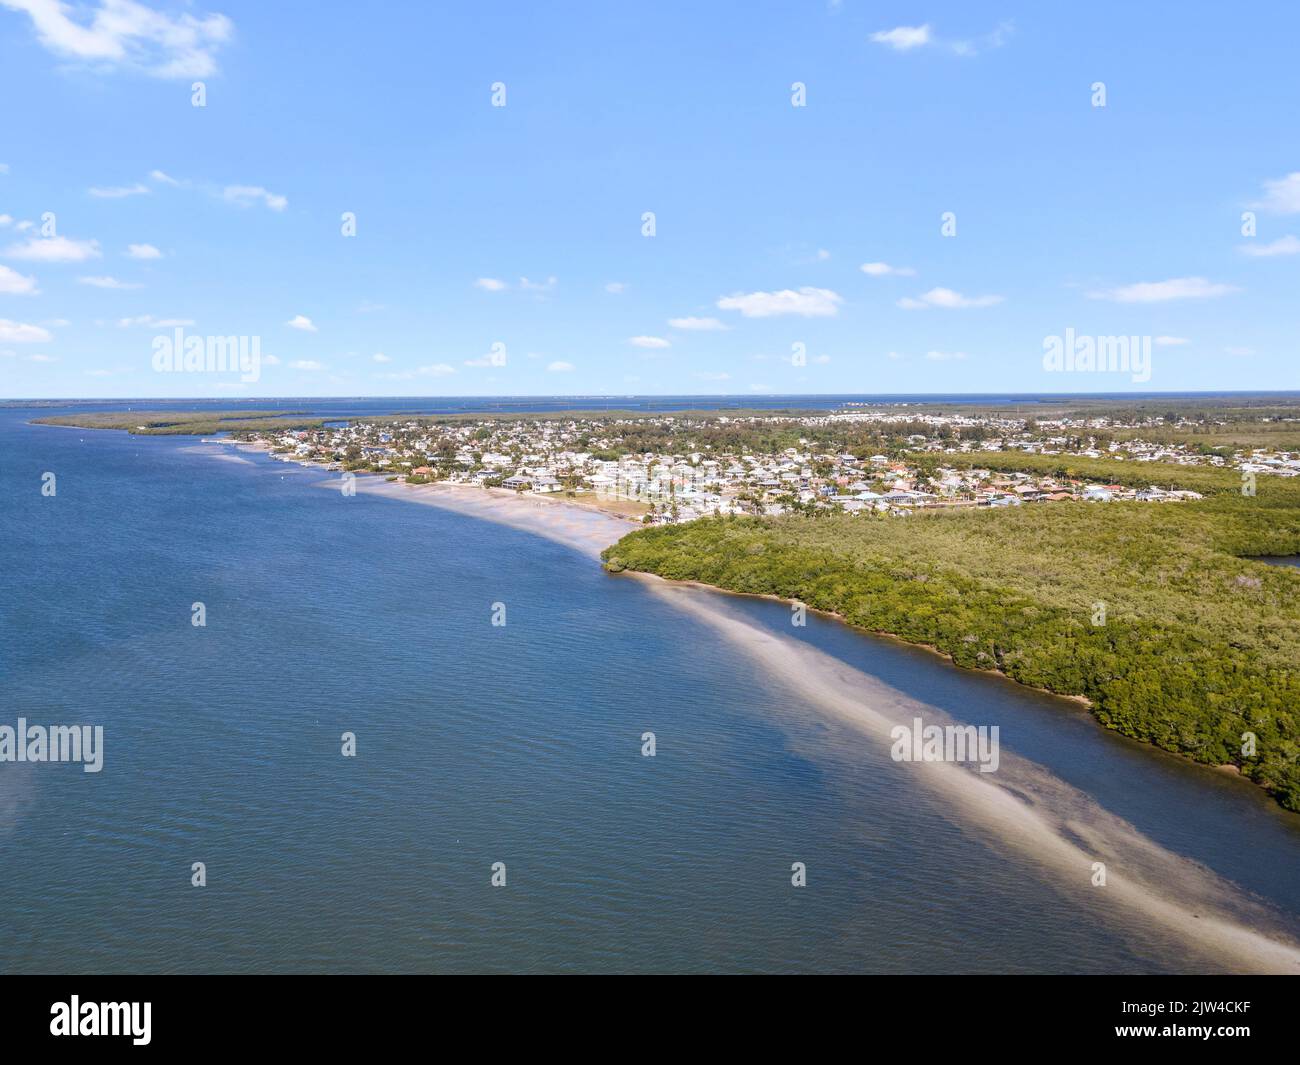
480	744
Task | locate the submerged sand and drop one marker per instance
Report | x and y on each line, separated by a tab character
1160	898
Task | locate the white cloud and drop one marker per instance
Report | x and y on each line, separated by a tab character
944	356
12	283
161	178
379	356
6	219
697	324
1287	245
107	282
142	251
41	358
947	298
124	33
1281	195
648	342
760	388
1170	342
538	286
306	364
903	38
120	192
54	250
301	321
616	287
491	284
884	270
156	323
807	302
247	195
822	360
559	366
22	333
713	376
1178	288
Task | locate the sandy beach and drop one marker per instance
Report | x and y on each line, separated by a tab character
582	525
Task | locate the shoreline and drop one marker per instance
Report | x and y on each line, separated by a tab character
529	515
447	486
505	497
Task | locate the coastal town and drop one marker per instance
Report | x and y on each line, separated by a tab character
671	468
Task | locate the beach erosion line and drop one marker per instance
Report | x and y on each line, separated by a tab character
1161	898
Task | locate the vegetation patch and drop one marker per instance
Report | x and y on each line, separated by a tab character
1150	611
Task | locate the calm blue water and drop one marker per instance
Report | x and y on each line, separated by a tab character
505	404
480	744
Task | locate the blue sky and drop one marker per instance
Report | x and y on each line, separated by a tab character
522	225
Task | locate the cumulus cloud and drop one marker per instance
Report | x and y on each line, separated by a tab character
560	366
119	192
439	369
142	251
946	298
903	38
248	195
648	342
1281	195
108	282
54	250
616	287
125	34
301	321
12	283
306	364
538	286
1178	288
1287	245
379	356
807	302
491	284
697	324
884	270
906	38
156	323
945	356
23	333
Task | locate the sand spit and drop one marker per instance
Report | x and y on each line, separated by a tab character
1165	901
1023	808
